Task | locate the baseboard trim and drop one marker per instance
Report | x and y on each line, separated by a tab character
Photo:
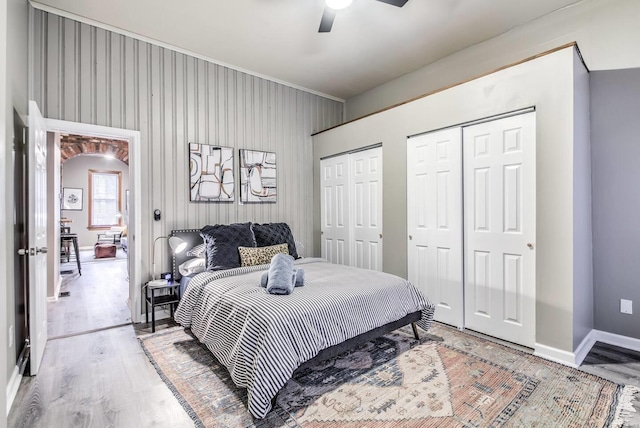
575	359
616	340
56	291
583	349
12	387
556	355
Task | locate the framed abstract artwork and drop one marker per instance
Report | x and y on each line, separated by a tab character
257	176
211	176
71	199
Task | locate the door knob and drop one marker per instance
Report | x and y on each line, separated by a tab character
530	245
42	250
23	252
410	237
380	236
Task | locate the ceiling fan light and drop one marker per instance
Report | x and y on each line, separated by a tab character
337	4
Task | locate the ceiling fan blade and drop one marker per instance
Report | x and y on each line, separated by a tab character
327	20
398	3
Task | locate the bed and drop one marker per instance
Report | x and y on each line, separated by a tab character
263	338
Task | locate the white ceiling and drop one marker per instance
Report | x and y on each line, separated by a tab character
370	44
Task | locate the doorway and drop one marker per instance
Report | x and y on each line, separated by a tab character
92	214
131	209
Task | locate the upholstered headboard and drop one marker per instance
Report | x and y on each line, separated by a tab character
192	238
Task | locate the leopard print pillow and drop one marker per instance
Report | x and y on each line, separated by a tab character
251	256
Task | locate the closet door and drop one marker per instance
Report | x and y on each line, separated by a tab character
434	220
500	228
334	187
366	208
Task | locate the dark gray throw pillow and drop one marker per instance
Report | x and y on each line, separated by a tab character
268	234
222	242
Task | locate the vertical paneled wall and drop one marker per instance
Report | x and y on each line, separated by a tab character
90	75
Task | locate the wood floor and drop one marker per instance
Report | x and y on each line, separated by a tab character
99	379
97	298
104	379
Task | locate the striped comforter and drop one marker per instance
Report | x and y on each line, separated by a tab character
262	338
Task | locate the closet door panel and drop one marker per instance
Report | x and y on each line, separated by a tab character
434	220
334	182
366	212
499	199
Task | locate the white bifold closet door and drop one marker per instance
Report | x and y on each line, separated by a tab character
334	182
351	208
471	225
500	228
434	220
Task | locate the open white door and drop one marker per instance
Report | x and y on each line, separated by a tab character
366	202
37	213
434	220
334	185
500	228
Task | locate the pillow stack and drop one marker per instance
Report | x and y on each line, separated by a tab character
244	244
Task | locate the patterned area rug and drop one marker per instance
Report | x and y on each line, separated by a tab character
450	379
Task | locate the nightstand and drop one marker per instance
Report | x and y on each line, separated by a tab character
160	295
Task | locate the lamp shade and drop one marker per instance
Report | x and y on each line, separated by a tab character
177	244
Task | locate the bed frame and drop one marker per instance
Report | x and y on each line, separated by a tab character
356	341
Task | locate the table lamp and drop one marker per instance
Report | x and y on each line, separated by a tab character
177	246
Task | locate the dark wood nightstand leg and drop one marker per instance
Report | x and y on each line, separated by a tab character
146	304
153	312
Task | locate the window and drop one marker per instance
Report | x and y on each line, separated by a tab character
104	198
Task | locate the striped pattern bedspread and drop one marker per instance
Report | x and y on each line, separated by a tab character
262	338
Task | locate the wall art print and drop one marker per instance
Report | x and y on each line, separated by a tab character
211	173
71	199
257	176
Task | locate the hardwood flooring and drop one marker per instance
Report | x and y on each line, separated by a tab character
97	298
614	363
94	374
104	379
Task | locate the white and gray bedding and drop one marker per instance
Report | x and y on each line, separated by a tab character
262	338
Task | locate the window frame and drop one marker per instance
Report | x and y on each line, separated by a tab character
90	224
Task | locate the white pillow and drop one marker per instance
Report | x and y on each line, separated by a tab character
197	251
193	266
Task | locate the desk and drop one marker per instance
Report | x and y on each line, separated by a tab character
73	238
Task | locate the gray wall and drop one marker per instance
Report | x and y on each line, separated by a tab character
606	30
75	173
615	139
86	74
14	24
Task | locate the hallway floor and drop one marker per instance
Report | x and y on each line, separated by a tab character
97	298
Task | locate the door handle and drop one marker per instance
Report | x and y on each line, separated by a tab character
380	236
530	245
410	237
32	251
